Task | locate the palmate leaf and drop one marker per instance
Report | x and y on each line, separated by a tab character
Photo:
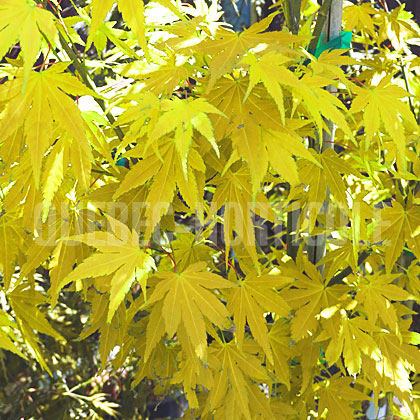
191	372
398	226
382	105
186	299
272	72
100	9
253	297
11	235
42	102
308	297
182	116
258	144
234	371
24	302
279	337
133	14
227	46
189	249
119	257
168	172
359	17
160	79
23	21
375	293
328	173
335	396
350	339
233	190
7	336
246	139
398	359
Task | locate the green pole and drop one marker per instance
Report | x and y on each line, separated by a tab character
331	30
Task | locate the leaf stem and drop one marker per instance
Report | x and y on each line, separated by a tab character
169	255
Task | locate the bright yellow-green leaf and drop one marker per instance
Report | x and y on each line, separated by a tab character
42	102
133	14
119	257
308	297
182	116
100	9
383	103
270	70
23	21
398	226
234	371
11	233
253	297
186	299
376	293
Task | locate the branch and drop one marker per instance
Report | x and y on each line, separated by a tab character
89	83
293	15
322	17
338	278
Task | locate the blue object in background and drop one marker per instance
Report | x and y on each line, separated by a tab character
342	42
123	162
239	16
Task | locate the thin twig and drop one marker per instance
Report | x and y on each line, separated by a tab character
89	83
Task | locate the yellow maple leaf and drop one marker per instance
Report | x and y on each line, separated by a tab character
100	9
133	14
233	190
335	394
359	17
234	371
271	71
228	46
167	171
282	145
375	292
186	299
23	21
254	296
189	249
398	226
383	104
11	235
328	173
7	336
43	102
246	139
182	116
308	296
191	372
119	254
279	336
24	301
398	360
351	337
160	78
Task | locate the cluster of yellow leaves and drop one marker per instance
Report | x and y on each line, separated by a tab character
213	129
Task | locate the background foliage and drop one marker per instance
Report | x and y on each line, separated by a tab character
164	196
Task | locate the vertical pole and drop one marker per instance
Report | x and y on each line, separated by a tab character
293	14
331	30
